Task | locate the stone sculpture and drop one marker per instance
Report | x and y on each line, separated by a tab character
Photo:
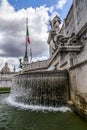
5	69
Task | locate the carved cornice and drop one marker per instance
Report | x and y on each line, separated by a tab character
65	49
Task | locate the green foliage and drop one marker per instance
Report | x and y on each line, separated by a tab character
4	89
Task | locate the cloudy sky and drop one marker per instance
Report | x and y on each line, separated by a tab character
13	14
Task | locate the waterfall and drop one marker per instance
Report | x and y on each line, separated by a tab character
45	88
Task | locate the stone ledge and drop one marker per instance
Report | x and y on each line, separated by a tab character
70	48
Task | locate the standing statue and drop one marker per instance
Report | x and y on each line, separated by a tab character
55	28
20	61
55	23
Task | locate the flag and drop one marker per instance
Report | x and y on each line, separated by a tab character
27	36
27	32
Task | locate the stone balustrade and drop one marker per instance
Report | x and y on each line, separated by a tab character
36	65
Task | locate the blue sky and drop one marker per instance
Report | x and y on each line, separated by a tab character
13	14
20	4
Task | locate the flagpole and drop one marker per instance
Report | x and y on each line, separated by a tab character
30	54
28	41
26	32
26	55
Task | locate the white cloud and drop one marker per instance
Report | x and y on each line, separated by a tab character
6	8
61	4
13	32
54	14
51	9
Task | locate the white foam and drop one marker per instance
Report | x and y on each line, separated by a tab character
10	101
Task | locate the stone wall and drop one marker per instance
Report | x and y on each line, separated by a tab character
78	87
69	22
6	79
80	11
78	74
74	20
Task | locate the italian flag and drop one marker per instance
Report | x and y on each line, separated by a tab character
27	36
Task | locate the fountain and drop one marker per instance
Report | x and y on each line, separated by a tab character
45	88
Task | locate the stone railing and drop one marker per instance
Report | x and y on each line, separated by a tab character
36	65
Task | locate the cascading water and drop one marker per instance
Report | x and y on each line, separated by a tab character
48	88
